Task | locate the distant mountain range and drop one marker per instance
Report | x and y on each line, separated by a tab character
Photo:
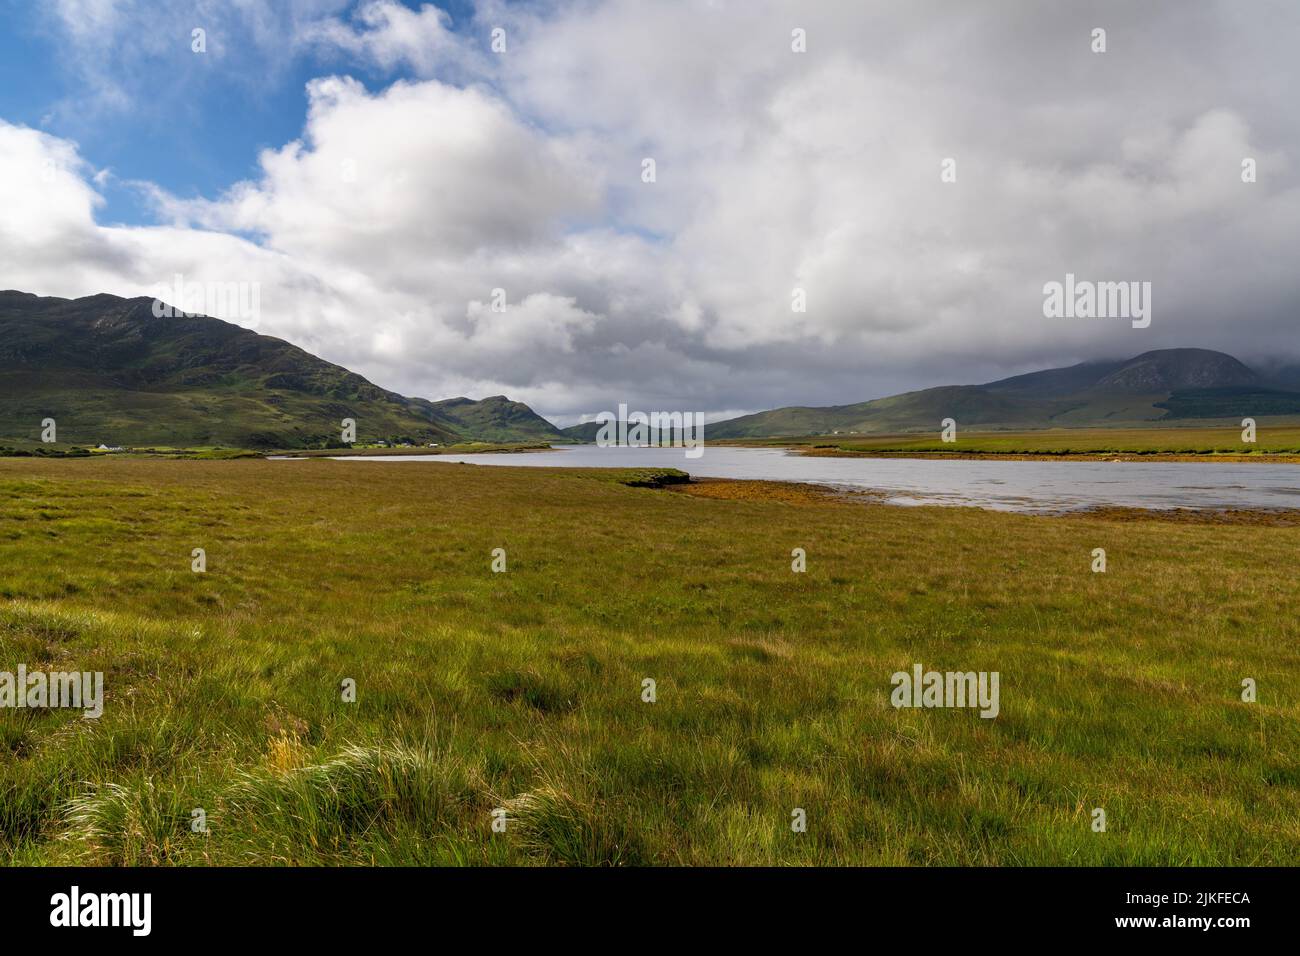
586	432
108	371
1155	387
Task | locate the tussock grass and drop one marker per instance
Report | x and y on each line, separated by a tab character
522	691
1275	439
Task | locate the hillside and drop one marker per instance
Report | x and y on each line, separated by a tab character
583	432
588	432
495	418
1157	386
108	371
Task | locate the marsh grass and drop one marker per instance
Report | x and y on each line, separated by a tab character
522	690
1278	439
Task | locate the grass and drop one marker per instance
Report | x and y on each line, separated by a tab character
1281	439
457	448
523	690
29	449
243	409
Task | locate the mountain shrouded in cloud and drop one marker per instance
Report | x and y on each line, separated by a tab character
429	171
114	370
1166	386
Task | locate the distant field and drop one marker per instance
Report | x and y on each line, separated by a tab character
459	448
1276	439
522	690
64	450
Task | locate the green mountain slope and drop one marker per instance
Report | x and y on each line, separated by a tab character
1230	401
584	432
590	431
968	404
108	371
495	418
1155	386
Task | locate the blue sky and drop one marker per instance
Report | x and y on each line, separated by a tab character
194	129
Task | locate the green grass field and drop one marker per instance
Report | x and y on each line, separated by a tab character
523	690
1272	438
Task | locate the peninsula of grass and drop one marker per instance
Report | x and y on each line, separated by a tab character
1274	442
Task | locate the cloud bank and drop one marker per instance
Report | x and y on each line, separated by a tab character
382	234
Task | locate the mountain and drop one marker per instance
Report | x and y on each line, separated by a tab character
1282	375
1055	382
1170	370
584	432
1157	386
968	404
1164	370
589	431
496	418
107	370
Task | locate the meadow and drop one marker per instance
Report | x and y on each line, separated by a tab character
522	691
1274	439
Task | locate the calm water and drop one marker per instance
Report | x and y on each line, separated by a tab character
1031	486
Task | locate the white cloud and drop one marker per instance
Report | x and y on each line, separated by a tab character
399	181
390	35
380	233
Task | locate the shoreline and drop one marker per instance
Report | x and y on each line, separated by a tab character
1267	458
810	494
814	493
809	451
414	451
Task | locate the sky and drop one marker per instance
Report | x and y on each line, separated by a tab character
451	216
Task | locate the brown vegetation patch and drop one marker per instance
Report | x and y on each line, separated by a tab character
793	493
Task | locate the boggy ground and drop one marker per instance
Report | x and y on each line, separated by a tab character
523	690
